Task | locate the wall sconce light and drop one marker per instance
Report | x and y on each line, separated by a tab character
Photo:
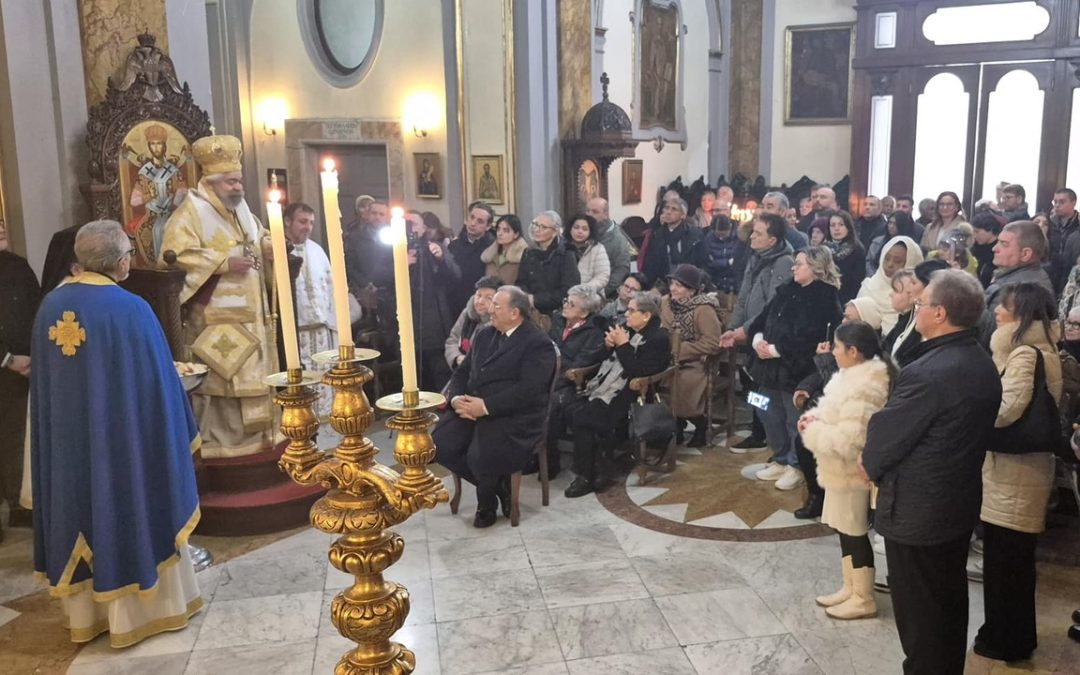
422	113
272	113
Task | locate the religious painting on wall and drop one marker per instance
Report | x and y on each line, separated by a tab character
487	171
659	65
278	179
588	181
632	170
817	74
428	174
156	169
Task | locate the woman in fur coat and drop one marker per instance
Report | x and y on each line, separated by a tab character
835	431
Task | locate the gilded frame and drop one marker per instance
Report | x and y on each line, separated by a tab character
484	193
832	36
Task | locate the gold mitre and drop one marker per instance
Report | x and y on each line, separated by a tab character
218	154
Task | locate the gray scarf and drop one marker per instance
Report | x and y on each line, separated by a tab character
611	379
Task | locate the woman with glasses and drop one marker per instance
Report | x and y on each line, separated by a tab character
503	257
582	239
548	270
615	310
785	336
581	344
1017	487
639	349
947	215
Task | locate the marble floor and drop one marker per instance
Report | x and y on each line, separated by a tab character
575	590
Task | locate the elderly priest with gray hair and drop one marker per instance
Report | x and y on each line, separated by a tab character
112	435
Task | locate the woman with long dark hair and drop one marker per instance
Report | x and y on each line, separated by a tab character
835	432
848	254
1016	487
583	240
503	258
948	213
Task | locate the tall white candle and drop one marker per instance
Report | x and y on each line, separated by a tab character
282	281
404	299
336	243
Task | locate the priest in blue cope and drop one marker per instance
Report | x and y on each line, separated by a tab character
112	436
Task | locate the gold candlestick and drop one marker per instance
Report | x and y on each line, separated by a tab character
365	498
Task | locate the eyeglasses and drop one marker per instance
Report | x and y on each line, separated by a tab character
127	254
537	225
568	303
919	304
630	288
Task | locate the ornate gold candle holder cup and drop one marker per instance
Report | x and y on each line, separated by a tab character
365	498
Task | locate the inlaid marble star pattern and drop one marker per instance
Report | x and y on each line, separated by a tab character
711	484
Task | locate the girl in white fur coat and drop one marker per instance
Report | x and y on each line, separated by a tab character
835	431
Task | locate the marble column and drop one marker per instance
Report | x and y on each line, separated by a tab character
745	65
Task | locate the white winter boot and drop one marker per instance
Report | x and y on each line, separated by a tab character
861	604
845	591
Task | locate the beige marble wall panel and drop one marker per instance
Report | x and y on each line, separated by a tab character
745	51
109	29
575	65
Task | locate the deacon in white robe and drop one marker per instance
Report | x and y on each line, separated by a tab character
315	318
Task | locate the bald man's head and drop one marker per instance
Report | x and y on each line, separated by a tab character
597	208
825	199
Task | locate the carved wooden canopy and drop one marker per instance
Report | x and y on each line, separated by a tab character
149	91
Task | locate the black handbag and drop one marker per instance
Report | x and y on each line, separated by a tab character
1039	428
651	422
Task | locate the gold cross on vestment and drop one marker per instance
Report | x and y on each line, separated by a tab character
68	334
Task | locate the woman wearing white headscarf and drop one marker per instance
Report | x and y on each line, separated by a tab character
897	253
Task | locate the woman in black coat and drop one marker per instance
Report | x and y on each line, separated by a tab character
640	349
785	337
547	270
848	254
581	344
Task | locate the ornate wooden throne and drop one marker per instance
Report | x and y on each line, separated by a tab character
140	167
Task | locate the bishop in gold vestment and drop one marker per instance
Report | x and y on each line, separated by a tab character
219	244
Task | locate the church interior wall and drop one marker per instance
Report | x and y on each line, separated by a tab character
659	168
409	61
822	152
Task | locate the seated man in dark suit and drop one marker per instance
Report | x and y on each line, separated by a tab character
498	398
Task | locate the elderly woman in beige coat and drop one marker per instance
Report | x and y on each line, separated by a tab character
693	314
1016	487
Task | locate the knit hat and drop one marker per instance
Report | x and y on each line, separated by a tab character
689	276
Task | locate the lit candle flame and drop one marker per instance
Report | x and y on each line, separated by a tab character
274	196
397	212
328	164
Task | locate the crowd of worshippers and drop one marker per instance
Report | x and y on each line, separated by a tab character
887	356
883	350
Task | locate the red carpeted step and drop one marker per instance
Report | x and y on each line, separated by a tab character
242	474
269	509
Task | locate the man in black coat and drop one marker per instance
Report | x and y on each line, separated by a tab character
925	451
19	299
498	398
672	243
475	236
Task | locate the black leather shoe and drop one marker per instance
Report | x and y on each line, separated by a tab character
1076	616
988	652
579	488
484	519
812	507
749	443
1074	633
